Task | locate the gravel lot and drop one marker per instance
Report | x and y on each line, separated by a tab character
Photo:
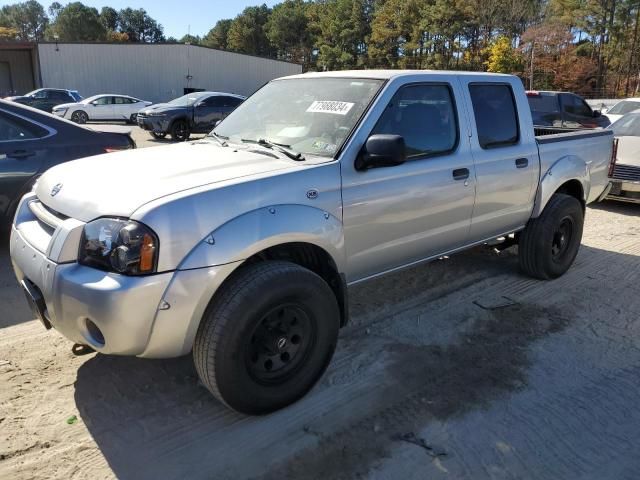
461	368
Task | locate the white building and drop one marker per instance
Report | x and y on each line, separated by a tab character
154	72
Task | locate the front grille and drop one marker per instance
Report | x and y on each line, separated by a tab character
46	215
626	172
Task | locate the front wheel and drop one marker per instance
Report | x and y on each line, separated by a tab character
549	244
180	131
267	336
79	117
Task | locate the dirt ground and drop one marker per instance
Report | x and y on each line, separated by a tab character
461	368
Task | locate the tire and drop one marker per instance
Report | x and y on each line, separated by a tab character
267	337
180	131
158	135
133	119
549	244
79	117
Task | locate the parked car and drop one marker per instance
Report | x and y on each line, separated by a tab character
32	141
240	247
625	172
563	109
623	107
102	107
192	113
46	98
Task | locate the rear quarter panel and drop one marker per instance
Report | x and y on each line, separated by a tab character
582	156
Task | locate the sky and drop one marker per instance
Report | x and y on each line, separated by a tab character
176	17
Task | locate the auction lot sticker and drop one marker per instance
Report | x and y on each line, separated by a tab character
330	106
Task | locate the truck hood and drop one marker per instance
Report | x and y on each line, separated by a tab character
117	184
629	151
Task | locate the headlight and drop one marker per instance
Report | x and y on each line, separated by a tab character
117	245
156	114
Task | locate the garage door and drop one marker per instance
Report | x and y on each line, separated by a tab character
5	80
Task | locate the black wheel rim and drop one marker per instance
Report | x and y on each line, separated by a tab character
181	131
562	237
78	117
280	344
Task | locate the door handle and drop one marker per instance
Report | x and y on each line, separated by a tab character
461	174
522	162
20	154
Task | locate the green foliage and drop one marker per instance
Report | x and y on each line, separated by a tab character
287	30
28	18
192	39
77	22
139	26
342	29
218	36
109	18
247	32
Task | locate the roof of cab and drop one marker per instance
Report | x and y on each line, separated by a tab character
388	74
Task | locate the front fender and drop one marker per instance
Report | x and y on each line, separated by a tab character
252	232
566	168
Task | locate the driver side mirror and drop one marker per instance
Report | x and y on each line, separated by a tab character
597	113
382	150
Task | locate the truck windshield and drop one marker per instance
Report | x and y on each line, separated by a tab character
623	107
308	115
627	126
186	100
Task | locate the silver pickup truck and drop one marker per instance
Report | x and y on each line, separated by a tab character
240	247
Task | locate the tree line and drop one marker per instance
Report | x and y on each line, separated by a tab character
588	46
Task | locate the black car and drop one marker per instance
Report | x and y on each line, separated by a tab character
563	109
47	98
196	112
32	141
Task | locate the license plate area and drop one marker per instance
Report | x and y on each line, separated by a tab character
36	302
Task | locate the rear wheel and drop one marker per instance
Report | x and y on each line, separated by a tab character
180	130
79	117
267	337
549	244
133	118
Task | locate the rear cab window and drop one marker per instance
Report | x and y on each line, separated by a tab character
540	102
495	113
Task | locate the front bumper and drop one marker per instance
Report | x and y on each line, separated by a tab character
624	191
149	316
153	124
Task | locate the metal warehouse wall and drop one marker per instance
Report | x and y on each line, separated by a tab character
154	72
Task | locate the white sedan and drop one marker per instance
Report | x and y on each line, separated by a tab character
101	108
621	108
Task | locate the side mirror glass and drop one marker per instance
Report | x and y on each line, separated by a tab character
382	150
597	113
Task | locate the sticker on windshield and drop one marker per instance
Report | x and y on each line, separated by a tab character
330	106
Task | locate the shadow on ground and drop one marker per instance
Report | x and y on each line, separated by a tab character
152	418
13	305
621	208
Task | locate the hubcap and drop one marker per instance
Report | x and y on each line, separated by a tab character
279	344
562	238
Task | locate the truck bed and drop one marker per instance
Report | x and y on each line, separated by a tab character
593	146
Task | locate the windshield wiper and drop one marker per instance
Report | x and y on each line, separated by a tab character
220	138
280	147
